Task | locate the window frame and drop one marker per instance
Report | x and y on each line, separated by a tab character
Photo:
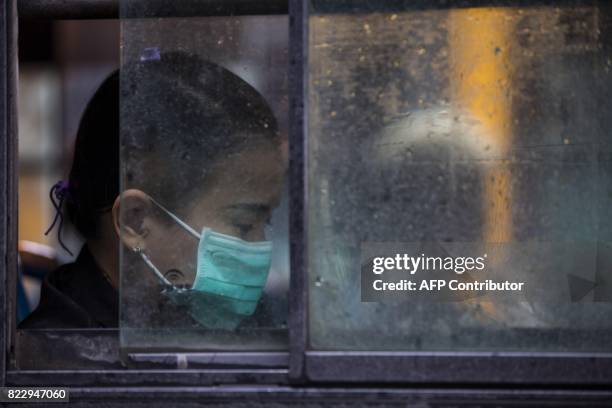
470	368
8	175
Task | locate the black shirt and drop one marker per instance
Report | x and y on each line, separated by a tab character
75	295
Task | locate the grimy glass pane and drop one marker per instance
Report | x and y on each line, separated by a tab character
459	177
204	261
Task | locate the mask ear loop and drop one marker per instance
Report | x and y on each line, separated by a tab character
177	219
146	259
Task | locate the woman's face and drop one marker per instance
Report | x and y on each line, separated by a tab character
242	190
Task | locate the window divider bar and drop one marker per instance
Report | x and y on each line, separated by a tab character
461	368
112	9
3	191
298	188
154	378
8	177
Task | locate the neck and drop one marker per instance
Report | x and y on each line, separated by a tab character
105	254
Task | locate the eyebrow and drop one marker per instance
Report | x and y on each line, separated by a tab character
253	207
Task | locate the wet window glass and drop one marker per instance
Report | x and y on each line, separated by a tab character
202	214
473	136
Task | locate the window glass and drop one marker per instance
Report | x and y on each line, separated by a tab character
456	133
204	261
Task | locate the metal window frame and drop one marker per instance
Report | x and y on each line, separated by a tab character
450	368
8	175
298	188
111	9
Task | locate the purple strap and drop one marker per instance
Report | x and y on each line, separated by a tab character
150	54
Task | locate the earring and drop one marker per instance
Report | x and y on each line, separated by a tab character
137	249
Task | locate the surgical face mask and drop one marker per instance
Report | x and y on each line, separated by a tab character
230	277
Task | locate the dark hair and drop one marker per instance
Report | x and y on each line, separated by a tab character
175	109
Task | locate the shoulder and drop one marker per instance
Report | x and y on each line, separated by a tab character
56	308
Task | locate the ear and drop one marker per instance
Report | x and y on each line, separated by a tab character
130	211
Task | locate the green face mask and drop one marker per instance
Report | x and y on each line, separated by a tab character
230	277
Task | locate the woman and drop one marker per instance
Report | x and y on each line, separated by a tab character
201	171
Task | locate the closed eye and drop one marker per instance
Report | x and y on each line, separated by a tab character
244	229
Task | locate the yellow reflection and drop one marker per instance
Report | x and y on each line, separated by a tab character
479	42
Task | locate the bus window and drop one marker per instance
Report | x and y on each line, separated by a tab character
192	123
439	136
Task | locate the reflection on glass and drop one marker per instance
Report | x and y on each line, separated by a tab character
203	167
479	126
